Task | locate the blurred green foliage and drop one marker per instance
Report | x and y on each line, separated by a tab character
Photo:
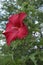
23	52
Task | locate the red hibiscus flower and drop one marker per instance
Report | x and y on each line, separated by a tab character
15	28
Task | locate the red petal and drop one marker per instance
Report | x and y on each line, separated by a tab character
9	25
17	19
22	16
11	35
23	31
14	19
15	28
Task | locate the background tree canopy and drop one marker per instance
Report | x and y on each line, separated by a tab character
28	51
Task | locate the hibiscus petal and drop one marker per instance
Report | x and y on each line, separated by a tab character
23	31
15	28
9	25
14	19
17	19
11	35
22	16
